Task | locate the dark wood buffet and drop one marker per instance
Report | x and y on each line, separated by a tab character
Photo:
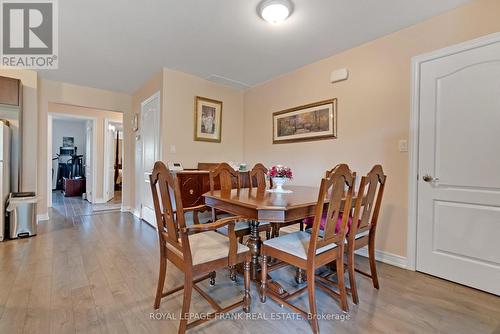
195	182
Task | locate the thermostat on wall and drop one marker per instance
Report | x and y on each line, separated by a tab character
175	166
339	75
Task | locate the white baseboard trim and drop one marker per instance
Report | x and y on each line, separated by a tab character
386	257
99	201
42	217
126	209
136	213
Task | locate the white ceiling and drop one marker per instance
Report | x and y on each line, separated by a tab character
119	45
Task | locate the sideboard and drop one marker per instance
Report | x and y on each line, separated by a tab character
195	182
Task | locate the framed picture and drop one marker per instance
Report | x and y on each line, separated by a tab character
207	120
135	122
68	141
313	121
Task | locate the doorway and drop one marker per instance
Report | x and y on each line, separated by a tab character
455	188
113	161
71	150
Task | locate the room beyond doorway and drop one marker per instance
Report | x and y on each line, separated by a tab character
83	179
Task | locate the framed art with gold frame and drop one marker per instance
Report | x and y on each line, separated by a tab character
207	119
313	121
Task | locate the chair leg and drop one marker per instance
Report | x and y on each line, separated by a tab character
213	274
276	230
240	240
263	279
302	225
341	283
246	299
232	273
312	301
352	276
268	234
186	302
161	281
373	263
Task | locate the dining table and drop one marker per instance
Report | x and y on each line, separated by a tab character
264	205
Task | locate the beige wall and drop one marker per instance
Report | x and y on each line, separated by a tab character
177	94
29	126
373	109
53	92
179	91
99	116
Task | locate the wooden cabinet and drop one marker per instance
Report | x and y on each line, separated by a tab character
194	183
10	91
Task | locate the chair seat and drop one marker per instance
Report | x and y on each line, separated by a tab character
240	226
296	244
208	246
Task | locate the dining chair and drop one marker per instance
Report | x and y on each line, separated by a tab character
366	213
229	179
309	251
258	180
196	250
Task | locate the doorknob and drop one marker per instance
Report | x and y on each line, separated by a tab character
428	178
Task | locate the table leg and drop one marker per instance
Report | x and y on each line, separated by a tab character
299	275
254	243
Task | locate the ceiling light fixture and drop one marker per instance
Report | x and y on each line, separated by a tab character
275	11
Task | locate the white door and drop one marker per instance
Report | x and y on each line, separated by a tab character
459	167
110	139
150	136
89	162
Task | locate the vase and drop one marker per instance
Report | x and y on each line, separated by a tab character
278	183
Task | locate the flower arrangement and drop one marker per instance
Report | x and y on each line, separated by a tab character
280	171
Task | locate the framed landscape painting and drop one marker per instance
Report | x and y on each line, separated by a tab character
313	121
207	120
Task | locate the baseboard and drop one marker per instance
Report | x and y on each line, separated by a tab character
136	213
386	257
99	201
42	217
126	209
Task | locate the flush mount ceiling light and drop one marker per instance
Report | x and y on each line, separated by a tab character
275	11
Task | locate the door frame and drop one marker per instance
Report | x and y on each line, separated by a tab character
417	61
50	153
108	121
158	150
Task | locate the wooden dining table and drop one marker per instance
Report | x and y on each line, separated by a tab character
265	206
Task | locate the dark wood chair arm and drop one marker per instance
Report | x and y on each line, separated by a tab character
201	208
229	222
196	210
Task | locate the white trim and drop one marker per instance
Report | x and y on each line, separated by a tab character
99	201
42	217
417	61
136	213
107	148
50	153
386	257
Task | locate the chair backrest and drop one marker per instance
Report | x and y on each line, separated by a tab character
228	178
336	189
258	177
169	210
368	202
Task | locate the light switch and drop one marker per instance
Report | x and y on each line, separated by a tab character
403	145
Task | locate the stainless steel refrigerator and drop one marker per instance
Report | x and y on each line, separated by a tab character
4	173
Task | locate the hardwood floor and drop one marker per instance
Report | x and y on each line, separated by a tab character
97	273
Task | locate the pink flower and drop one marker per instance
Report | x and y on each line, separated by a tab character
280	171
